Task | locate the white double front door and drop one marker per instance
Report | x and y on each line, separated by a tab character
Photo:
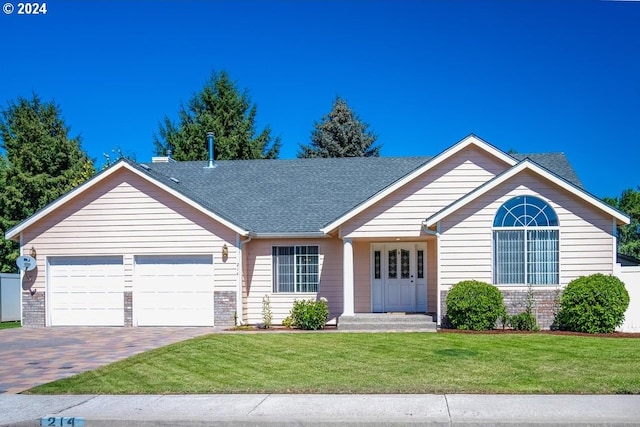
398	277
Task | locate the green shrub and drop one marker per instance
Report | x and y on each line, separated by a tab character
593	304
524	322
310	314
287	322
474	305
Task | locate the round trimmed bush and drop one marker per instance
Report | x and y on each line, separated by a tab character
593	304
310	314
474	305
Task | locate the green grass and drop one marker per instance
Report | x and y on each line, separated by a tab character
371	363
7	325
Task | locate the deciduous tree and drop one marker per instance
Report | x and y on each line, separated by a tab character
628	235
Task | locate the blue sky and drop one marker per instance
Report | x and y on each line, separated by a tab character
534	76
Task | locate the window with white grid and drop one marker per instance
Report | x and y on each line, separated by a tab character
526	243
295	269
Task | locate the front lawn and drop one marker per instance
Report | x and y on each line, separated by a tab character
371	363
7	325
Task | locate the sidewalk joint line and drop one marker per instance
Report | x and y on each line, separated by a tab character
78	404
259	403
446	402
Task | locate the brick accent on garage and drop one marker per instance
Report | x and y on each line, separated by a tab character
224	308
33	309
545	307
128	309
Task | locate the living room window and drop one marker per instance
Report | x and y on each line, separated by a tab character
295	269
526	243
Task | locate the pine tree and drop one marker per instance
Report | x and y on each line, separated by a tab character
340	134
220	108
41	163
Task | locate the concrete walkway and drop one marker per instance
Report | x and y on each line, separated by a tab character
325	410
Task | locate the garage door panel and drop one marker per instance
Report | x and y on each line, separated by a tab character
86	291
173	290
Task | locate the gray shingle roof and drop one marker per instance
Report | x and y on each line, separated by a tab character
554	162
297	195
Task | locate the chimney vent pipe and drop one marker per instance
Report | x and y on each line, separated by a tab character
212	163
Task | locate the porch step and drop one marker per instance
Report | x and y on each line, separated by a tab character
387	322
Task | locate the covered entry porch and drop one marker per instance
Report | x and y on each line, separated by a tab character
390	276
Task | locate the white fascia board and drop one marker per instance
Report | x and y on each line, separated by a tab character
290	235
15	231
531	166
443	156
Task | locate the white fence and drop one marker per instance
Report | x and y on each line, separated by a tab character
9	297
630	275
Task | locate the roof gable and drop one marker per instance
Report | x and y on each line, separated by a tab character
470	140
529	165
14	232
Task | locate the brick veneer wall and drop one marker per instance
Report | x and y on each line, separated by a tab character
128	309
224	308
33	309
545	306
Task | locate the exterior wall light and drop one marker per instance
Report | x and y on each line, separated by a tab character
225	252
33	253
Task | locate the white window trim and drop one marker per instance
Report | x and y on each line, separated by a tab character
524	229
295	268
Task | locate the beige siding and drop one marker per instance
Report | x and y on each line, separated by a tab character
126	215
401	213
259	278
362	276
586	241
432	276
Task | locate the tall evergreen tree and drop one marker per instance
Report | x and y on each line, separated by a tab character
628	235
40	163
220	108
340	134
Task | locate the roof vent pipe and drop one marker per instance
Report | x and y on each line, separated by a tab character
211	164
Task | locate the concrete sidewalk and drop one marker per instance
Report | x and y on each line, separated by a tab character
325	410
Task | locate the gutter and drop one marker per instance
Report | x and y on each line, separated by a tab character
293	235
240	267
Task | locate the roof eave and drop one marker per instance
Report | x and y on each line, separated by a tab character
290	235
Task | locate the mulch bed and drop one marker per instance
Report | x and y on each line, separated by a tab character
511	331
332	328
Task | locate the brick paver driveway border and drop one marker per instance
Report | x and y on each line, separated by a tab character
33	356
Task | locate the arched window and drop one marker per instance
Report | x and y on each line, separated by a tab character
526	243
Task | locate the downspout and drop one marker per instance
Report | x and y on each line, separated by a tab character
438	286
22	290
436	233
615	266
240	263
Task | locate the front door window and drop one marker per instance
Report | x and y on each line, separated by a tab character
398	277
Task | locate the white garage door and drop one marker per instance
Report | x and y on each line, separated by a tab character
173	290
86	291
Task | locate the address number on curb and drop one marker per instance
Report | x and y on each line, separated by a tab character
62	421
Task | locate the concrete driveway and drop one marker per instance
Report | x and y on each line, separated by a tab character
33	356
